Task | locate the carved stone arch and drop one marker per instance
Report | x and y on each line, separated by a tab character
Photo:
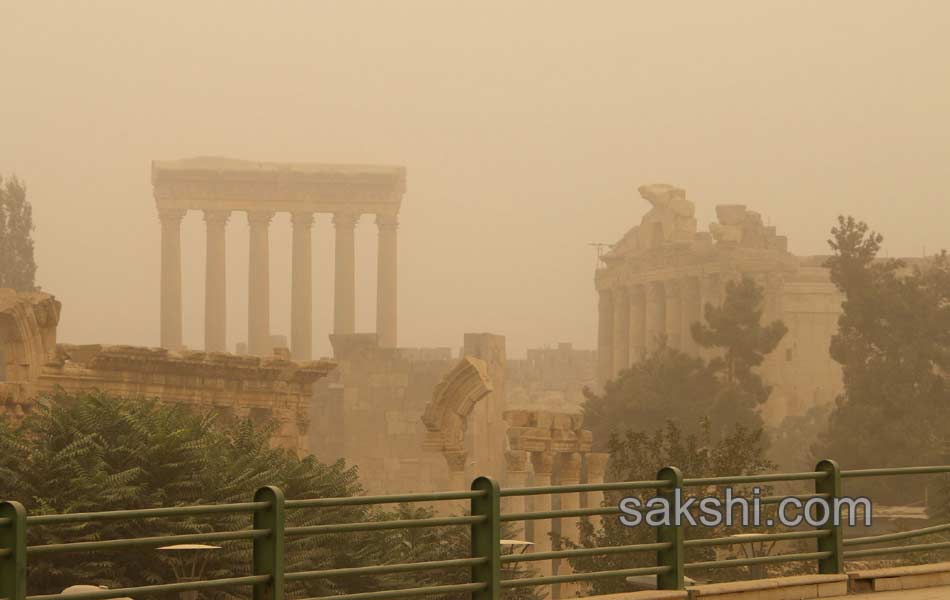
27	333
453	400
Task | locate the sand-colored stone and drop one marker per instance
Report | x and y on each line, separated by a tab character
655	282
273	388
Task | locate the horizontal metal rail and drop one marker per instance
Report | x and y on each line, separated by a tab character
762	478
756	537
593	576
382	525
391	499
162	540
156	589
896	549
172	511
896	471
382	569
559	514
584	487
758	560
408	592
514	558
890	537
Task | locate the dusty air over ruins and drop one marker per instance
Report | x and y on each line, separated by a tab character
475	301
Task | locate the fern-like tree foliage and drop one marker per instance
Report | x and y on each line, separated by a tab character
95	452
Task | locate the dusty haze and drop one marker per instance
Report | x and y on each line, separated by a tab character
525	130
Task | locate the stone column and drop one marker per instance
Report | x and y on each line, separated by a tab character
655	315
596	467
692	312
621	336
344	273
386	280
605	337
637	324
301	287
543	463
171	278
674	314
457	461
258	283
569	473
216	222
516	463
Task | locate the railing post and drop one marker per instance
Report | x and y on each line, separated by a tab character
672	533
13	538
830	485
269	551
486	538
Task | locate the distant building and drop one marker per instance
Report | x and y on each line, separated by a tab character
654	282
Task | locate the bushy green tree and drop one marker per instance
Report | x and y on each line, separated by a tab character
637	456
893	344
735	331
670	385
94	452
17	265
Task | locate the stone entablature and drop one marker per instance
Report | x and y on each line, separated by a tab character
273	388
220	186
656	280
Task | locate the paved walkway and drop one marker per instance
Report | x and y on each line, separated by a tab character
934	593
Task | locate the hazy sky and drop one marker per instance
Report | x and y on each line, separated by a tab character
525	127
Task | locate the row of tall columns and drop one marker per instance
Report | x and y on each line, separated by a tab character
552	468
258	318
633	320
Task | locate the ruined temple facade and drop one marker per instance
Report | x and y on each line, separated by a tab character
269	389
654	282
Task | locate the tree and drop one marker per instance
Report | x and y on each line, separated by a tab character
17	266
667	385
893	344
736	331
670	385
637	456
94	452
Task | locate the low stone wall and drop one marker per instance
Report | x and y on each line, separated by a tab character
900	578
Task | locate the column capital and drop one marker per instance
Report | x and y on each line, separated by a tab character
345	218
569	467
543	462
259	217
456	460
516	461
301	219
171	216
217	217
387	220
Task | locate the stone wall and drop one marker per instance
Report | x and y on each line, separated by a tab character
265	389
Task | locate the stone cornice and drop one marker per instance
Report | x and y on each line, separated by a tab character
219	183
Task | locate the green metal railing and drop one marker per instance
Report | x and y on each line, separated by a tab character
486	564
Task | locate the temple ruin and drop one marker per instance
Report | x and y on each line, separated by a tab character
219	186
654	282
269	389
